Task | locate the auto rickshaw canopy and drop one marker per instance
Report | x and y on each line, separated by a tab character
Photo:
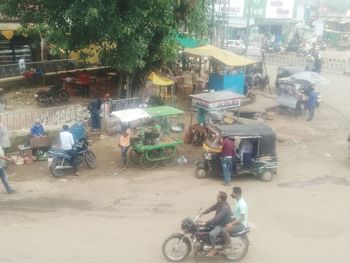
265	134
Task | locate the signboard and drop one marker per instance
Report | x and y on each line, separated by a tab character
256	8
279	9
234	8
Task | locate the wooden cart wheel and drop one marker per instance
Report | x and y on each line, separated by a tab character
169	151
134	156
150	159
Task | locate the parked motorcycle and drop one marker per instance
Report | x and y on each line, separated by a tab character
55	93
178	245
60	162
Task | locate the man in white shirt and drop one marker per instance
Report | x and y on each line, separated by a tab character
67	142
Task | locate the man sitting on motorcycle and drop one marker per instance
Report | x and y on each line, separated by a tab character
67	142
239	217
222	217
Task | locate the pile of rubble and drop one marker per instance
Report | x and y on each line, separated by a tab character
24	96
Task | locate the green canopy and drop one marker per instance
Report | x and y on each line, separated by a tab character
188	42
162	111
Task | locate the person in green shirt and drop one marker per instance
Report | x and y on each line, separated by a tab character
239	217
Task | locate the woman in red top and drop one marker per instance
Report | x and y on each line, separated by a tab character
84	80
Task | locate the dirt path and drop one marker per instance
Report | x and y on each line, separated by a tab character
107	215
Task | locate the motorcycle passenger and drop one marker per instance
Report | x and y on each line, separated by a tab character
222	217
239	217
67	142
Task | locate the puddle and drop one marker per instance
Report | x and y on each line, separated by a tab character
43	205
317	181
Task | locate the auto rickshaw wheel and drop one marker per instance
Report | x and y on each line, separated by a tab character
267	176
201	173
150	160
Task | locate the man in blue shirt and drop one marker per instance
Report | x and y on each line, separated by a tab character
37	129
311	103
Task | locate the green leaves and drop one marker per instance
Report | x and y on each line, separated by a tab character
142	32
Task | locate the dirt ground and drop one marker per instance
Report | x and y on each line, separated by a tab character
112	215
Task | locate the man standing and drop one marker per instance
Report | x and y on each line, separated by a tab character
3	176
21	65
84	79
239	217
106	109
222	217
311	103
246	152
5	142
124	143
67	142
95	108
228	153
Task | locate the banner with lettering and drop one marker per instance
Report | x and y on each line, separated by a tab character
279	9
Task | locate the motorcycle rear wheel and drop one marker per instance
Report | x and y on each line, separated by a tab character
175	243
55	172
63	95
239	249
90	159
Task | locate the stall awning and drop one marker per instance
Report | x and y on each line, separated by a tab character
7	29
221	55
160	80
188	42
162	111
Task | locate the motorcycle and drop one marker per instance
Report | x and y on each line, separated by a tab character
55	93
60	161
177	246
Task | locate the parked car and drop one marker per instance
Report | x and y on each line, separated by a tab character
236	46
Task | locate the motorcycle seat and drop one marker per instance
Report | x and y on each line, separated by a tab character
59	153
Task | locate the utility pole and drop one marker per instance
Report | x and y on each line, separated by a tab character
213	21
247	32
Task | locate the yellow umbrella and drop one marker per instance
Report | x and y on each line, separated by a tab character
160	80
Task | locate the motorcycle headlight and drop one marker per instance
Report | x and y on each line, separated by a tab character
36	95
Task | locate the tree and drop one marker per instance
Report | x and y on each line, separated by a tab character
134	35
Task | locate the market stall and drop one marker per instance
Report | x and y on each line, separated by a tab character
228	68
165	85
158	131
210	108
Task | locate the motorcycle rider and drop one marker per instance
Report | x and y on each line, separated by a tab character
239	217
67	142
222	217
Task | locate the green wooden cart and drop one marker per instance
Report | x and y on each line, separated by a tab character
158	146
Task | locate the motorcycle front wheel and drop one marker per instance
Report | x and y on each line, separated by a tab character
239	248
43	99
55	172
176	248
90	159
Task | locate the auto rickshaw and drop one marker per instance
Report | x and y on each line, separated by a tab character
292	95
261	161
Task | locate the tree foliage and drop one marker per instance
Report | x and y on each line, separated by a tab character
140	32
